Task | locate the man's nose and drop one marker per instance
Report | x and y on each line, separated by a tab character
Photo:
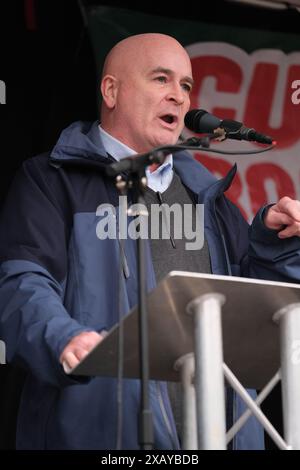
176	93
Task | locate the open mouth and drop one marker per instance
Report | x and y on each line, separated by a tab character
169	119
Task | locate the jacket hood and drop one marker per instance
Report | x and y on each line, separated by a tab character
79	140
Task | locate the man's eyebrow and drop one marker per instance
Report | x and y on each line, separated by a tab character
170	72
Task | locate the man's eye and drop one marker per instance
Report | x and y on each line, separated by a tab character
187	87
161	79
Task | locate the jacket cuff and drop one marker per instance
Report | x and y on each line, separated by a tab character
259	232
64	378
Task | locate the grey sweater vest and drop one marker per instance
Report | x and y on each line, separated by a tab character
171	253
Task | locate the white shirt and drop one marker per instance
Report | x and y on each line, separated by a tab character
158	180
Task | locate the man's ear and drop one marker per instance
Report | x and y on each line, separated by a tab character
109	90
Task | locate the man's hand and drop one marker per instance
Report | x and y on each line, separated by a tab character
286	215
78	348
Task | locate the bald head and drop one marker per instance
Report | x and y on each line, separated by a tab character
131	51
145	87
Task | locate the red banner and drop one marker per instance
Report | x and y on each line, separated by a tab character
256	89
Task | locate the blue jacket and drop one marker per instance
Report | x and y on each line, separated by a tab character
58	279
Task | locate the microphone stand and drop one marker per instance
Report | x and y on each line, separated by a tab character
146	434
135	167
137	183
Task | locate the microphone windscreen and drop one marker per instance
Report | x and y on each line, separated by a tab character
199	120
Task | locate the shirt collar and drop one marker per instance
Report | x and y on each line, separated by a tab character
118	150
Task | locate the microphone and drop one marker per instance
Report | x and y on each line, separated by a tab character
200	121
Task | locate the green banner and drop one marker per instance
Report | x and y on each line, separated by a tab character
109	25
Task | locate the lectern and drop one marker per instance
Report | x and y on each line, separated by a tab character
204	328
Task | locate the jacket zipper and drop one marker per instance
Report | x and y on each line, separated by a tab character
165	415
229	271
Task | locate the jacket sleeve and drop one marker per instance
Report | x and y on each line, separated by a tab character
271	257
33	253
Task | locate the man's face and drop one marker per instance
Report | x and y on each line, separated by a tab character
153	98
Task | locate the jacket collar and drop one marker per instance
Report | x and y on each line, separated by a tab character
82	141
198	179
